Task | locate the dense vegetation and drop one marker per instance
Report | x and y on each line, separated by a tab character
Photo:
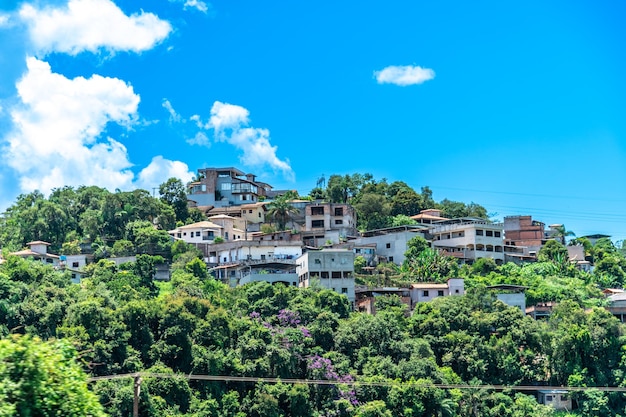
119	321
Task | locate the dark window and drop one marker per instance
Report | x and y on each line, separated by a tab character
317	211
425	293
250	211
479	232
548	398
74	264
197	233
324	274
338	211
336	274
440	293
496	234
317	223
388	245
73	276
317	261
391	259
339	221
489	233
344	290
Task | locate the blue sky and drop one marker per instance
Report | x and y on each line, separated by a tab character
518	106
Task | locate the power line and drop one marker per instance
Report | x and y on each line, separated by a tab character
225	378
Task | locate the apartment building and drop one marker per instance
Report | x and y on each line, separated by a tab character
469	239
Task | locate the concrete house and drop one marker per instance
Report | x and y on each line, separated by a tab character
328	221
223	187
330	268
38	250
389	244
427	291
200	232
469	239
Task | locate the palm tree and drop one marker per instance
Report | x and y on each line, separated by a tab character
280	210
560	233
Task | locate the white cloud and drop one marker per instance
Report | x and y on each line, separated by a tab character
197	4
91	25
230	123
174	117
404	75
57	125
160	170
200	139
4	20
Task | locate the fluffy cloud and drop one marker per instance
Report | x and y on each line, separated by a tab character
197	4
54	141
159	170
91	25
404	75
230	123
4	20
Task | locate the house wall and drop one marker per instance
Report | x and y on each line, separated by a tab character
391	246
332	269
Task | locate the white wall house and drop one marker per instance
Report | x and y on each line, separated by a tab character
201	232
331	268
427	291
469	239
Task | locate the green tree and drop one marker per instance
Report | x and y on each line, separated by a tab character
173	193
280	210
43	379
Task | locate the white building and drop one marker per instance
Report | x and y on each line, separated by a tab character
390	243
427	291
331	268
469	239
201	232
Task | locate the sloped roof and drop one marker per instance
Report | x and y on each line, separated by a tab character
198	225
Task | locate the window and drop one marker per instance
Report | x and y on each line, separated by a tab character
456	291
338	211
440	293
73	276
391	259
548	398
336	274
197	233
489	233
226	187
425	293
317	211
250	212
479	232
317	261
324	274
178	235
317	223
496	234
259	214
338	221
74	264
344	290
388	245
262	257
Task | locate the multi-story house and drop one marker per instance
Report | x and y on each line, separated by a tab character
389	244
244	261
331	268
523	231
469	239
223	187
252	215
325	222
38	250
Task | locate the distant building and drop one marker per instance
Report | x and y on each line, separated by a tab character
328	222
366	297
427	291
558	399
428	216
330	268
469	239
38	250
389	244
523	231
223	187
511	295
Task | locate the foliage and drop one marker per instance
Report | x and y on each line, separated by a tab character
43	379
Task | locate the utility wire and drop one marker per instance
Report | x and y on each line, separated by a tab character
224	378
